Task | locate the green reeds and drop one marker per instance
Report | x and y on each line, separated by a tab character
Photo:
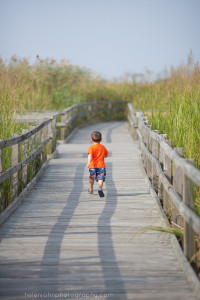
172	230
174	102
51	85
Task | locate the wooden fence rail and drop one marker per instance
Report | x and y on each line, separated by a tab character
29	154
89	112
172	177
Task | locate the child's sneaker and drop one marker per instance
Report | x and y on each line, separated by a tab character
101	193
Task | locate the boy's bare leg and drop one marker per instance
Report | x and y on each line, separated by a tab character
101	193
100	184
91	183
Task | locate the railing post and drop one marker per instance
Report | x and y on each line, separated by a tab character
110	109
188	199
70	124
161	152
148	141
167	164
145	137
155	177
24	156
145	119
1	185
63	129
133	122
75	121
14	177
178	187
50	144
161	160
38	139
53	124
167	169
44	152
31	148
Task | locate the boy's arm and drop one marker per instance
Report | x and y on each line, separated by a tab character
89	160
106	154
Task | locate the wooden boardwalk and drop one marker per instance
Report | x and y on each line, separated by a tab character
63	243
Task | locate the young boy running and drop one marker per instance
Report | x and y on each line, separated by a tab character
96	164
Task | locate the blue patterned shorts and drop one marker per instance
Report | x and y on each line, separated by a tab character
98	174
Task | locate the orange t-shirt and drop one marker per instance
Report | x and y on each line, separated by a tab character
98	152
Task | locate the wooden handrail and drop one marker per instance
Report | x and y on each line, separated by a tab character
22	137
187	213
159	158
192	172
42	146
9	172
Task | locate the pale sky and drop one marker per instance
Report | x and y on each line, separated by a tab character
110	37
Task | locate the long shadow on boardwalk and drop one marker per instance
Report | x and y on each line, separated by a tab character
109	132
58	231
113	280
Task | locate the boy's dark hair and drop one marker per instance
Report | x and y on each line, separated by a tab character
96	136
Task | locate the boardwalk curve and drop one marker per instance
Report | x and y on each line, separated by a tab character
63	243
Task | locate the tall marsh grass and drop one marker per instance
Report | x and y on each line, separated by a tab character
51	85
173	105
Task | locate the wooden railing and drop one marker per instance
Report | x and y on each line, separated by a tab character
87	113
29	154
174	178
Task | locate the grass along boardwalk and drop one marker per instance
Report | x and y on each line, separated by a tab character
63	243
